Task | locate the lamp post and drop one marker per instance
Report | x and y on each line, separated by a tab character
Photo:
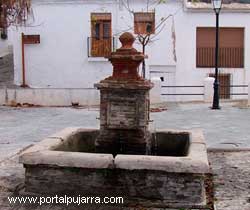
216	100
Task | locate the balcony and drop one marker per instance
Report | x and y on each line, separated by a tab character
100	47
229	57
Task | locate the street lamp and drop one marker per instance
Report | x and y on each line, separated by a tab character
217	7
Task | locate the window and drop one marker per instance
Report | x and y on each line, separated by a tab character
231	47
101	40
144	23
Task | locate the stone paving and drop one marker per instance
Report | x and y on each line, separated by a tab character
231	180
227	128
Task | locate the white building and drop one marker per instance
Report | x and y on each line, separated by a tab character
67	61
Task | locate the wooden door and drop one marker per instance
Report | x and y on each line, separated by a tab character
101	40
107	39
224	80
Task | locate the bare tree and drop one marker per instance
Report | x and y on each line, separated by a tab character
13	12
151	32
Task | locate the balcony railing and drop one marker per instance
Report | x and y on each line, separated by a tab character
226	90
229	57
100	46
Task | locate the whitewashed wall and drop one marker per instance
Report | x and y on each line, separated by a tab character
187	73
61	60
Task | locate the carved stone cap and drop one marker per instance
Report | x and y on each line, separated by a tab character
126	60
127	40
127	51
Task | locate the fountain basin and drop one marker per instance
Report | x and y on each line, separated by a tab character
65	163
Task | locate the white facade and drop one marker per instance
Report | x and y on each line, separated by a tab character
61	59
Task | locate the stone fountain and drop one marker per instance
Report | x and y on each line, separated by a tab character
162	168
124	109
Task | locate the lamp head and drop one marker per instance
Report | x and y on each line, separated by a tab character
217	5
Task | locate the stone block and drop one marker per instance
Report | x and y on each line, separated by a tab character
55	166
155	92
208	89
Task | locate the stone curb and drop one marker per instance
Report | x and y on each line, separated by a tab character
42	153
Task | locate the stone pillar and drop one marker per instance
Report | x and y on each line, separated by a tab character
155	92
208	89
124	105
